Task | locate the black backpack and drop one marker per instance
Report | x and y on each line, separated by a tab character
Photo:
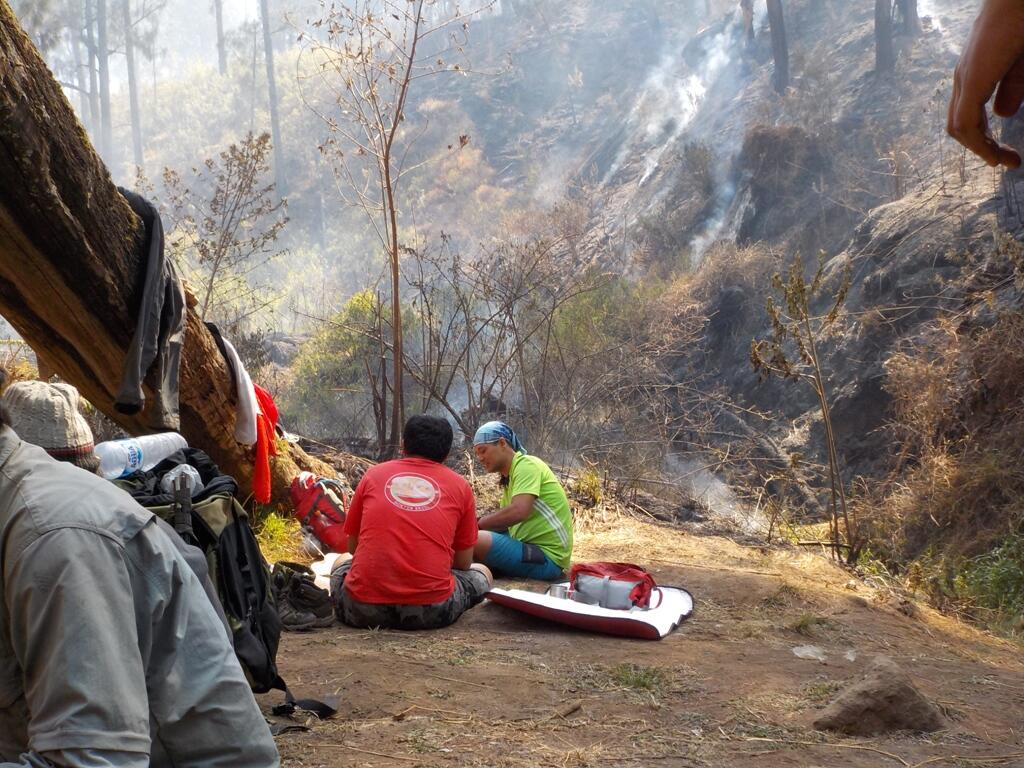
218	525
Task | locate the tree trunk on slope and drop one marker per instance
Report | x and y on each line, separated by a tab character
90	44
780	50
275	121
747	9
911	21
885	54
103	56
70	273
133	89
222	52
77	28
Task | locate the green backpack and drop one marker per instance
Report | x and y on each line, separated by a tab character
220	527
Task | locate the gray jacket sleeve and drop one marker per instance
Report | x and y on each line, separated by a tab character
197	562
77	758
74	633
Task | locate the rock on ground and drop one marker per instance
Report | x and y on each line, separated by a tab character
884	700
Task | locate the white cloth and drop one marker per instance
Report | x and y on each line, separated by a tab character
245	417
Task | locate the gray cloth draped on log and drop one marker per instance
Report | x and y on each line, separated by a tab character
159	330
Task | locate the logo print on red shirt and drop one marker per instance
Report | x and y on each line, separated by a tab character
413	493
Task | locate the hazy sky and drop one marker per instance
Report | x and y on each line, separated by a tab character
188	31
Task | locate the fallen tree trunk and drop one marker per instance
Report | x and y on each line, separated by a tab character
71	274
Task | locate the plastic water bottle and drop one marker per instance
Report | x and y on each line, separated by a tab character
119	458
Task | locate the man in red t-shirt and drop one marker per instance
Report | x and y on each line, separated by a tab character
411	529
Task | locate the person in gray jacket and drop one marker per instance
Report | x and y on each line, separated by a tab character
111	655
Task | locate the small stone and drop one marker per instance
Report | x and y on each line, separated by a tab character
811	652
884	700
907	608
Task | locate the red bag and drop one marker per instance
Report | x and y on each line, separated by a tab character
611	585
320	505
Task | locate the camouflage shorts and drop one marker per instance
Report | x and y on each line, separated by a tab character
470	588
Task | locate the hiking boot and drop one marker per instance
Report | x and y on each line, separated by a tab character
301	603
293	619
309	598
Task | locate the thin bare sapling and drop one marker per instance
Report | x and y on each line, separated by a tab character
368	56
226	221
791	352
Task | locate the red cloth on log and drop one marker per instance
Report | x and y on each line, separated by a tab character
266	444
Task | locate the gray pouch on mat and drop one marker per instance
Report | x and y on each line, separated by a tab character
605	592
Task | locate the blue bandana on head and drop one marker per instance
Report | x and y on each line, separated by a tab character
493	430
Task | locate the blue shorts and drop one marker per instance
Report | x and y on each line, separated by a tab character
511	557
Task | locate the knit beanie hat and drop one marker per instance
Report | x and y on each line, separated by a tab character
47	415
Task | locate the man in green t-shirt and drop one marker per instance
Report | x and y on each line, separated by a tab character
531	535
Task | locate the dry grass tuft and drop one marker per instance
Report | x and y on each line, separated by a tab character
785	596
728	266
960	421
808	624
957	491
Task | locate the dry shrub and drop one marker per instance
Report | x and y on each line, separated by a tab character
784	165
667	234
957	491
952	505
998	358
921	384
16	362
732	283
781	157
699	166
750	267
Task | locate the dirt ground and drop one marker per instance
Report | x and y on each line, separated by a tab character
501	689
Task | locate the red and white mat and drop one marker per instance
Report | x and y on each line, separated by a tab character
674	607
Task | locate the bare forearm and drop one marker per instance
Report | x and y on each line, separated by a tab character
463	559
503	518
